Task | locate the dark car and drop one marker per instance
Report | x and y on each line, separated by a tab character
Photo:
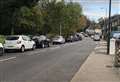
79	36
69	38
58	40
1	49
41	41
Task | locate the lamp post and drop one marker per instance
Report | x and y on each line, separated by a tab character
109	28
60	32
104	30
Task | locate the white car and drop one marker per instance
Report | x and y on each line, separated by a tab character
1	49
96	37
58	40
19	42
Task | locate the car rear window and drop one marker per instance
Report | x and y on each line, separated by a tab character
12	38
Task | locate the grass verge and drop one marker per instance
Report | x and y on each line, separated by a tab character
2	39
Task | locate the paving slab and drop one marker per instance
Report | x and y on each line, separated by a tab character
98	67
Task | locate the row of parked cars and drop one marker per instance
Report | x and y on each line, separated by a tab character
23	42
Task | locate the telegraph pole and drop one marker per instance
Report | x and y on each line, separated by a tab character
109	28
60	30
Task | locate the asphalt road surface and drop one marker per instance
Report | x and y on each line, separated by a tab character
58	63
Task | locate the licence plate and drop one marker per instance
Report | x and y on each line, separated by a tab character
10	46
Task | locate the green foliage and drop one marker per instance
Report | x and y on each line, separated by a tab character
8	11
2	38
45	17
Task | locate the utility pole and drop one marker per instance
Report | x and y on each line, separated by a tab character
60	30
109	28
104	32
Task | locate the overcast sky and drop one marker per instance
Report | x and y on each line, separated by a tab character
94	9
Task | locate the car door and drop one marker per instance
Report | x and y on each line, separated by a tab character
30	43
25	42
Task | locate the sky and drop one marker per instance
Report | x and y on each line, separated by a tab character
95	9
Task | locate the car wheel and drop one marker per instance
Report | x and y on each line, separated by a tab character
5	50
43	45
48	45
22	49
2	53
33	47
53	43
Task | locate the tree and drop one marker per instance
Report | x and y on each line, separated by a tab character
8	12
41	17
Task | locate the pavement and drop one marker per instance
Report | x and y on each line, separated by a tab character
98	67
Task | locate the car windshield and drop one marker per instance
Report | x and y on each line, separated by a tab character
12	38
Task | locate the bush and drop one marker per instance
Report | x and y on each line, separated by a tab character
2	38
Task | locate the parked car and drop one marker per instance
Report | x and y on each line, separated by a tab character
58	40
75	37
19	42
41	41
79	36
96	37
86	35
69	38
115	34
1	49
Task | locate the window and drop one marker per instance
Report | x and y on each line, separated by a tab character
12	38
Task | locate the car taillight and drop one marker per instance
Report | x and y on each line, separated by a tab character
18	42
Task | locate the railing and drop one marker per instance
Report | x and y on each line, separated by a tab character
117	54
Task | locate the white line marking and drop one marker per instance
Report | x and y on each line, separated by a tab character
7	59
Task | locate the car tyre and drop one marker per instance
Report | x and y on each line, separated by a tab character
43	45
2	53
48	45
33	48
22	49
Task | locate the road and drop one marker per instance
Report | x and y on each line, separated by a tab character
55	64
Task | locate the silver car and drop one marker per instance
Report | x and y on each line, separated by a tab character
58	40
96	37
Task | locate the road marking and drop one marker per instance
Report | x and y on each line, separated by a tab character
7	59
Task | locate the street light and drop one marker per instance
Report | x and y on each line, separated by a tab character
60	32
104	30
109	28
